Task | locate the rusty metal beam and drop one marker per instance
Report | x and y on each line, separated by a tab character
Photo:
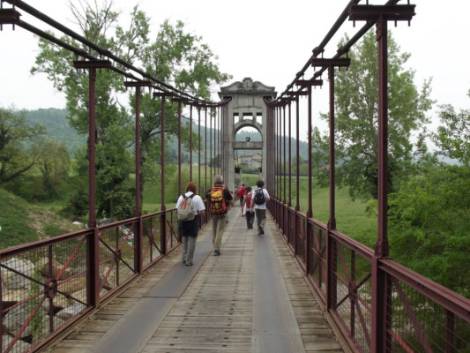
381	12
335	62
9	16
92	64
311	82
138	83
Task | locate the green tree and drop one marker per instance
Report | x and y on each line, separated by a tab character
357	116
174	56
54	164
430	227
16	139
113	122
453	135
182	59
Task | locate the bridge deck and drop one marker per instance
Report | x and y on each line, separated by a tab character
253	298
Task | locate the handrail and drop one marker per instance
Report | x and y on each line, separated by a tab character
352	244
118	223
38	243
156	213
449	299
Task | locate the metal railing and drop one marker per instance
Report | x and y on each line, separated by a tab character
423	316
46	286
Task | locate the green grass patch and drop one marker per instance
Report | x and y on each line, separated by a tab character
14	220
352	216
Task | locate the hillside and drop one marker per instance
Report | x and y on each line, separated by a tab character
58	128
21	222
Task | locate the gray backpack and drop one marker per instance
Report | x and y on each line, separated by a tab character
186	211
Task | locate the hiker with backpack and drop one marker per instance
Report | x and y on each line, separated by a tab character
188	210
249	210
219	199
260	197
241	196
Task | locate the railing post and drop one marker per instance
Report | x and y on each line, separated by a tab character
331	296
138	185
211	144
205	149
279	166
163	233
297	172
450	332
219	141
380	283
284	156
310	184
191	142
284	172
2	308
199	147
93	241
289	152
180	181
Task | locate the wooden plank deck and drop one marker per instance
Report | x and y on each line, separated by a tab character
252	298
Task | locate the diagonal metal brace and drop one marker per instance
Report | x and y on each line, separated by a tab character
381	12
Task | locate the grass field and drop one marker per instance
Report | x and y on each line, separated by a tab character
22	221
352	217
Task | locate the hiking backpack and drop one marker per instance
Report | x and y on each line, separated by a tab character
259	197
218	205
186	211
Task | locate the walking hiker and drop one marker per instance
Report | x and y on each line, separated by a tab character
219	199
260	197
241	196
249	210
188	209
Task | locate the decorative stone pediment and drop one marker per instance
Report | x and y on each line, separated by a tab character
247	87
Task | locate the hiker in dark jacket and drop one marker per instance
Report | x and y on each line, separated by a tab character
189	208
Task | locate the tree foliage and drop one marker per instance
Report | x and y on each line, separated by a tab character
53	163
17	155
453	135
357	116
430	227
174	56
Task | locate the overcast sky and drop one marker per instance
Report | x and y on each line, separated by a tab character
266	40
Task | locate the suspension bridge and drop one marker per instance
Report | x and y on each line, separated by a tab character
302	287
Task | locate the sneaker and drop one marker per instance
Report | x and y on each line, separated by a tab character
188	264
216	252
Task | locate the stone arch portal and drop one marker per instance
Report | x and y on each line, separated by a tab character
246	108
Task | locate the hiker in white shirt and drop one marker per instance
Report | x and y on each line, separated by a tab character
260	197
189	208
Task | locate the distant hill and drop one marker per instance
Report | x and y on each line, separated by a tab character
57	126
59	129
